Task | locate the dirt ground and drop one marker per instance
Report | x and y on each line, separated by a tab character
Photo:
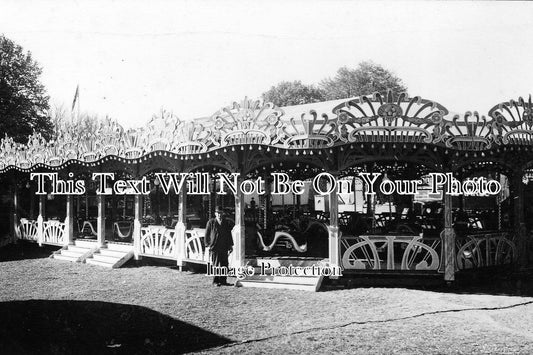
49	306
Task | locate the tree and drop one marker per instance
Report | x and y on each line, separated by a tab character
23	100
289	93
85	124
366	79
58	115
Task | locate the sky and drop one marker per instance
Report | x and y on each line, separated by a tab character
133	58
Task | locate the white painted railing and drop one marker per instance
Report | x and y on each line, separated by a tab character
27	230
195	249
483	250
54	232
390	252
43	232
158	241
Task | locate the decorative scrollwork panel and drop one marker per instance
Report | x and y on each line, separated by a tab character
158	241
194	245
485	250
384	119
28	229
390	252
53	232
513	122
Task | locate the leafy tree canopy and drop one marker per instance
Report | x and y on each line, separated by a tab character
289	93
23	100
366	79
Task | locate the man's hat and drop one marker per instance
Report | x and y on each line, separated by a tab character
219	209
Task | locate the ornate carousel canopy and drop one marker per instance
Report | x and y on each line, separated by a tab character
252	124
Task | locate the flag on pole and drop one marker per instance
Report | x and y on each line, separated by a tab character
76	96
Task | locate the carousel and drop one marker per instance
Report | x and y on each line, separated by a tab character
395	137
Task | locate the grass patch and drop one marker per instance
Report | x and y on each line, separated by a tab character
63	302
65	326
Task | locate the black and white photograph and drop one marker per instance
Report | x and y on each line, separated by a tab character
264	177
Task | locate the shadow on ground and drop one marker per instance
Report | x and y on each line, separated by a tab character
25	250
509	282
147	261
166	263
81	327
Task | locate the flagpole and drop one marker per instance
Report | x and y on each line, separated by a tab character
76	101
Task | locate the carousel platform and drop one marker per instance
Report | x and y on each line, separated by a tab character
112	255
284	273
78	252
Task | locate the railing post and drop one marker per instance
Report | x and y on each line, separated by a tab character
180	229
333	229
267	201
40	220
449	240
14	221
238	232
519	225
212	199
100	225
69	221
137	227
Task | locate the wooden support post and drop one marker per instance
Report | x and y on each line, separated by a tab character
15	218
212	199
449	240
333	230
125	200
168	205
293	205
181	227
137	227
100	225
40	220
499	204
113	207
86	206
354	194
238	232
32	203
78	206
69	221
519	224
267	199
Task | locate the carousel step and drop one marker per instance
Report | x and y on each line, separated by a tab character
106	258
115	253
277	262
79	249
66	258
309	283
85	243
258	284
116	260
268	271
297	280
73	253
99	263
120	247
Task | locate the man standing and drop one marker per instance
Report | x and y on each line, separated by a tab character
219	241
